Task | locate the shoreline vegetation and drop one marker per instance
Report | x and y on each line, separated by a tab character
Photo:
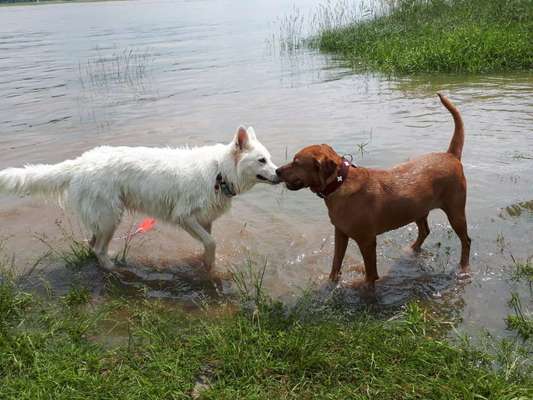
124	346
437	36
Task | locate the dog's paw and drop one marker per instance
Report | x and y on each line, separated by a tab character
334	278
463	275
411	251
361	284
329	285
220	275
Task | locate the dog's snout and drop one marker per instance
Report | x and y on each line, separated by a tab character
278	171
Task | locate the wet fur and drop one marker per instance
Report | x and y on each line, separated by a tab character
374	201
175	185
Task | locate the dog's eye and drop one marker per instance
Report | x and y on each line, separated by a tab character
262	160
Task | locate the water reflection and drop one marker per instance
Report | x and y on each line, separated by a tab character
169	73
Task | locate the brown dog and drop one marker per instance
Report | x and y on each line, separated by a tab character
363	202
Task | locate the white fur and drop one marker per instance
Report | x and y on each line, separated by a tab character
173	185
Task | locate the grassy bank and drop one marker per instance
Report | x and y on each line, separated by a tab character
439	36
62	349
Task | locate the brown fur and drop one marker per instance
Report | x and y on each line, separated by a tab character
373	201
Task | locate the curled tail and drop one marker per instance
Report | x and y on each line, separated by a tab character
40	179
458	139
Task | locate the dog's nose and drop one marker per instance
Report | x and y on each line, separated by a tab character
278	171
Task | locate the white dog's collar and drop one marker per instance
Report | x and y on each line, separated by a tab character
224	186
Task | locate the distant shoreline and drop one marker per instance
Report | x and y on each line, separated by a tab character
43	2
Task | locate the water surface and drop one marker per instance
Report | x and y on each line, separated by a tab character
169	73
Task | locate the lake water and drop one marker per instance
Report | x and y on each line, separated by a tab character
170	73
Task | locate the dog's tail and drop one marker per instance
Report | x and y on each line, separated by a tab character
458	139
41	179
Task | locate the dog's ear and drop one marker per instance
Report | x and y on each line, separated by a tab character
242	138
326	167
251	133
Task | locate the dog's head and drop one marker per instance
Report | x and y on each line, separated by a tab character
311	167
254	162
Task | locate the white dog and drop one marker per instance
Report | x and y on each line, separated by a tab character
190	187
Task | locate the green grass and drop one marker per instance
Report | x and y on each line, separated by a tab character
475	36
523	270
61	350
521	322
74	253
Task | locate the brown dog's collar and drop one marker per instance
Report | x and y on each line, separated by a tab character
338	181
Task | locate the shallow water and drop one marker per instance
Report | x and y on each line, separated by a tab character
168	73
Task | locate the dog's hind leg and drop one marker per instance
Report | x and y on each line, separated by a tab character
191	225
100	218
341	242
457	219
423	232
101	247
92	241
367	247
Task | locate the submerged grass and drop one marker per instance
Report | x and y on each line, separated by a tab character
523	270
126	68
76	253
61	350
438	36
521	322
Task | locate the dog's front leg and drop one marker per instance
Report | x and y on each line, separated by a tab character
341	242
367	247
192	226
